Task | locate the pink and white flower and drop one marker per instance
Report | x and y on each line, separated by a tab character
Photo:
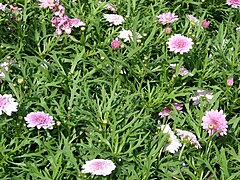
167	18
179	43
40	120
213	121
110	7
230	81
49	3
99	167
234	3
115	44
4	66
3	7
114	19
7	104
189	137
165	112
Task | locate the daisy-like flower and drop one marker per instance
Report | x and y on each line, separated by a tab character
4	66
201	94
234	3
189	137
110	7
167	18
127	35
99	167
173	143
3	7
213	121
7	104
114	19
193	20
179	43
40	120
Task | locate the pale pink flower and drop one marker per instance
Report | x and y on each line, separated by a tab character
100	167
40	120
115	44
234	3
110	7
168	30
205	23
4	66
127	35
178	106
48	3
15	9
193	20
7	104
213	121
114	19
165	112
58	10
230	81
3	7
179	43
75	22
189	137
167	18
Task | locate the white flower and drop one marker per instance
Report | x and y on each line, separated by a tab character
7	104
127	35
4	66
190	137
174	144
114	18
201	93
193	19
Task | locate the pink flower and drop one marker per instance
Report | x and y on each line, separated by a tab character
234	3
168	30
58	10
205	23
75	22
7	104
114	19
178	106
3	7
110	7
48	3
165	112
189	137
179	43
115	44
15	9
215	121
4	66
99	167
230	81
167	18
40	120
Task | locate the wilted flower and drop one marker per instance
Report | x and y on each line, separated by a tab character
178	106
173	143
167	18
40	120
115	44
179	43
110	7
182	71
114	19
165	112
234	3
205	23
7	104
230	81
15	9
58	10
100	167
4	66
213	121
48	3
189	137
193	20
201	94
127	35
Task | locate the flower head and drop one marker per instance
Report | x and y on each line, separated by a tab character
230	81
193	20
205	23
3	7
178	106
48	3
115	44
165	112
110	7
234	3
168	30
179	43
201	94
213	121
4	66
189	137
173	143
167	18
127	35
114	19
40	120
7	104
238	29
100	167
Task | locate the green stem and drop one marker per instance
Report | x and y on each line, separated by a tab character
180	155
